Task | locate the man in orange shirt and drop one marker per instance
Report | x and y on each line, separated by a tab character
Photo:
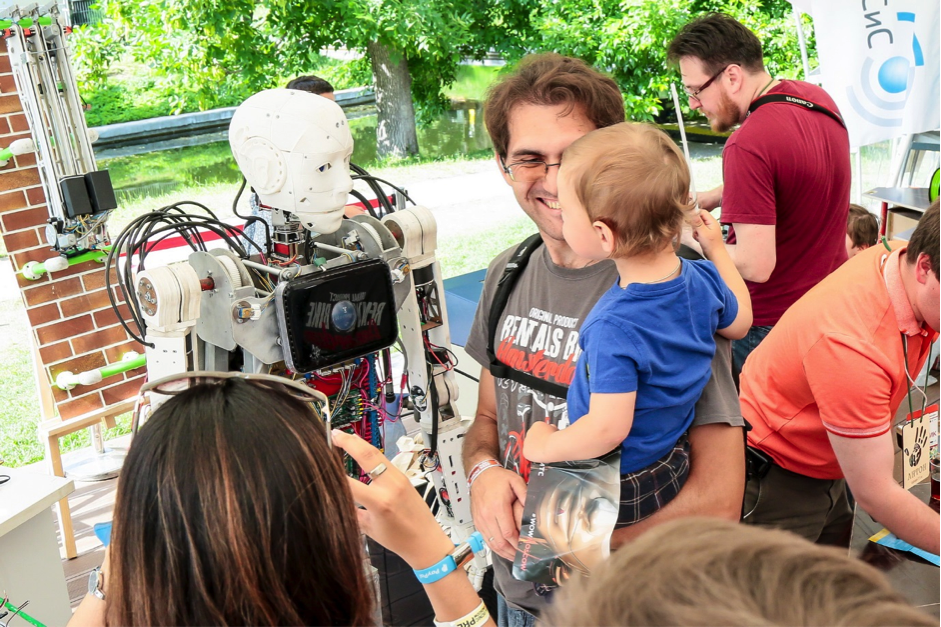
822	390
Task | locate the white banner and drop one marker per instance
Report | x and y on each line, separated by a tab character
880	61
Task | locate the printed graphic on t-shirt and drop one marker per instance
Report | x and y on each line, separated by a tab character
544	345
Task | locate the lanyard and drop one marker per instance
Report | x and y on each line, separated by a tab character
910	382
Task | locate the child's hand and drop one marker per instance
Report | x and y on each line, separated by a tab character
537	441
708	233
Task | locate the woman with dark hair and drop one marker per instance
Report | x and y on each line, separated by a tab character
232	509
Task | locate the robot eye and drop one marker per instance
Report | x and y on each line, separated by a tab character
324	167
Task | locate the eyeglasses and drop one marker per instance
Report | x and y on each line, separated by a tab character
527	171
179	383
694	93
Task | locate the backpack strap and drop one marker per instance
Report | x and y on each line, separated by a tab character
511	274
798	102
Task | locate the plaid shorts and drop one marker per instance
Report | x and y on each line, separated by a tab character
647	490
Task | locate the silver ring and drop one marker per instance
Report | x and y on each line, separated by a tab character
491	539
378	470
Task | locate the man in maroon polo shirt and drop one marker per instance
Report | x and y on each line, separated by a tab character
786	170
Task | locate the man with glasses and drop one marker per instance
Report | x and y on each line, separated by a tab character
532	116
786	170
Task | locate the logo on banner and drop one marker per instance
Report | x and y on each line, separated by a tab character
886	78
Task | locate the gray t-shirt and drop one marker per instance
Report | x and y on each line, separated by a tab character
538	333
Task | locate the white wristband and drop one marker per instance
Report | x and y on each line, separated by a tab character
478	616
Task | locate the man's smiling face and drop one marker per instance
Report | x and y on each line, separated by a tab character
542	133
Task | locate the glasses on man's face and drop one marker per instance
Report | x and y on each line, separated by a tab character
179	383
527	171
694	93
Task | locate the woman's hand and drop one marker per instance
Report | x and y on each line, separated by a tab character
395	515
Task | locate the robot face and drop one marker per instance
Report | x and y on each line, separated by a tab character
294	149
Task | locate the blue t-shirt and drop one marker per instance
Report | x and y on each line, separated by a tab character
655	339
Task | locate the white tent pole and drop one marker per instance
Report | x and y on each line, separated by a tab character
689	162
859	175
803	43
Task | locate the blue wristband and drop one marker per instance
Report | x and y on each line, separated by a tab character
439	571
448	565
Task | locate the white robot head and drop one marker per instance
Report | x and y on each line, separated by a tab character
294	149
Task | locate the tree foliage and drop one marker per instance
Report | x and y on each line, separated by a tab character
210	53
629	39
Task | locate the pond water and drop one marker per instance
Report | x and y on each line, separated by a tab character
208	159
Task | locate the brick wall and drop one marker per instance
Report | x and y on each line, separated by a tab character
72	321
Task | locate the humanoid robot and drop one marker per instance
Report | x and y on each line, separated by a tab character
323	299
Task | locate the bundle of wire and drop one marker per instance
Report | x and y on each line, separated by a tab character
145	233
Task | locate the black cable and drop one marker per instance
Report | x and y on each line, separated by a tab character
433	443
461	372
145	233
366	203
381	196
395	187
249	220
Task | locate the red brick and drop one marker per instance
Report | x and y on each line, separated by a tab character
17	122
116	353
21	240
90	301
79	364
10	104
64	329
60	396
25	283
43	314
98	339
51	291
12	201
36	196
17	179
25	160
4	127
83	405
5	60
19	220
56	352
96	280
117	393
40	254
8	84
107	317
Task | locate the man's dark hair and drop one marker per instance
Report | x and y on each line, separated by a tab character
718	41
312	84
862	227
548	80
925	238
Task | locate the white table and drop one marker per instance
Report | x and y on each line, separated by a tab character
30	566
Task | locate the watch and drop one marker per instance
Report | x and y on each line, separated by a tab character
96	583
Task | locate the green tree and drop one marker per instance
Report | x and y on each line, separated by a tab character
629	39
216	50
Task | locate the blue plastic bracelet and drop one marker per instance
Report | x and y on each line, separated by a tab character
447	566
439	571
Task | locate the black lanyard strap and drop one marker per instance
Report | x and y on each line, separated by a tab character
797	102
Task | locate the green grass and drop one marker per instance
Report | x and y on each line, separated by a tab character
19	400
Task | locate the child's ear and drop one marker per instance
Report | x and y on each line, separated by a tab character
607	237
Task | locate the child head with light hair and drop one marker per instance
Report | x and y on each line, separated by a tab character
629	183
705	571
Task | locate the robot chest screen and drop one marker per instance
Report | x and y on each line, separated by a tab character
329	317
